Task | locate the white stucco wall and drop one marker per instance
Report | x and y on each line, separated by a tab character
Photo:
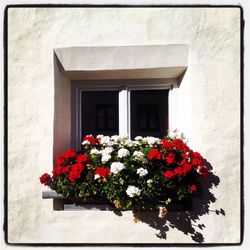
206	108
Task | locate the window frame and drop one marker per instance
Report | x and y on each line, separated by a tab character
124	104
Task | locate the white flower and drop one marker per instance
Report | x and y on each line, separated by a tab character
176	134
97	176
105	157
152	140
173	133
138	154
135	143
105	140
116	138
122	139
128	143
182	136
168	201
107	150
116	167
111	143
149	181
138	138
142	172
123	152
133	191
85	142
94	151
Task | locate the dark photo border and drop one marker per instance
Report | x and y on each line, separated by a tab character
5	226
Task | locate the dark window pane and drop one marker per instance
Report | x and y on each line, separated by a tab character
149	113
148	117
100	113
106	117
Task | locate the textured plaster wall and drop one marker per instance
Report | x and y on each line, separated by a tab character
205	107
62	107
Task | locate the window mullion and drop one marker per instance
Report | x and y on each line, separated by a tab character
129	113
124	112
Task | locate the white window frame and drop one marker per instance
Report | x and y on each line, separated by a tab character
124	87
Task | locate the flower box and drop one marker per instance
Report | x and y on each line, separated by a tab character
93	204
140	174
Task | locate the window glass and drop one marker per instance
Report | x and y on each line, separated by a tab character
99	113
149	113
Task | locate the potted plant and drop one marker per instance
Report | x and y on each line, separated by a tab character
143	173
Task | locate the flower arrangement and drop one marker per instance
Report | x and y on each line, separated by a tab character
145	172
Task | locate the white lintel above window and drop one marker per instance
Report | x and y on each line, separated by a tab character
124	62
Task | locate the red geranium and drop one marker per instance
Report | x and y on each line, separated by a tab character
178	171
169	174
154	154
57	171
180	145
59	160
167	144
202	170
170	158
66	169
184	156
196	158
192	188
75	172
91	139
186	167
46	179
102	172
70	153
82	158
73	175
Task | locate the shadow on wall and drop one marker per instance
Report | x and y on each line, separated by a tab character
186	221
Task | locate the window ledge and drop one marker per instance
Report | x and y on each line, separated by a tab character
70	204
51	194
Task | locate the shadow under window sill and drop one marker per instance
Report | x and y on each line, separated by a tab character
75	204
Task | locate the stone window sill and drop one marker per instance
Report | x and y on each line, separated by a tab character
73	204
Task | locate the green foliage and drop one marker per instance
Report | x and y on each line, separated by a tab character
143	179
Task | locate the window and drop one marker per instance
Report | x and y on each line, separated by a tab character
111	110
99	112
136	91
149	112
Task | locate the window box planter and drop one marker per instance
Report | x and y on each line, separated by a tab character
99	204
147	174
